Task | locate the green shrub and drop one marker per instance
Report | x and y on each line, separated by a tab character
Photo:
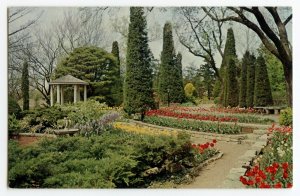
14	108
53	117
113	159
13	124
46	117
286	117
83	112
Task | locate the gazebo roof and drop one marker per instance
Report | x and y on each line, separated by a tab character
68	79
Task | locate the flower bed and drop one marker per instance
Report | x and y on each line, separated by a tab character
131	128
192	113
193	125
216	109
204	151
274	168
171	113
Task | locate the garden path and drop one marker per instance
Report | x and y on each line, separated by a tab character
213	175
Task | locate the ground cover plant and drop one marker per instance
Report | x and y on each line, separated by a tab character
114	159
274	168
194	125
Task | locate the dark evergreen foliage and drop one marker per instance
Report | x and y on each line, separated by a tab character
170	72
262	90
178	91
94	65
250	80
14	108
138	93
208	75
25	86
117	88
232	84
229	53
243	80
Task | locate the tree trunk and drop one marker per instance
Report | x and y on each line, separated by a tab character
288	74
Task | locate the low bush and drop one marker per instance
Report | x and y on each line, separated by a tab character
14	108
13	124
44	117
194	125
68	115
97	127
83	112
113	159
286	117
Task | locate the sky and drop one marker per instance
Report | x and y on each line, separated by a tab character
156	18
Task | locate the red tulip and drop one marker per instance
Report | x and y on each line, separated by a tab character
278	185
289	185
243	180
285	165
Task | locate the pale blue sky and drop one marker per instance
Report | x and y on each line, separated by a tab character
55	14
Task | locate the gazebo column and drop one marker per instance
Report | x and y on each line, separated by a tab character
78	93
85	93
62	95
58	94
51	95
75	93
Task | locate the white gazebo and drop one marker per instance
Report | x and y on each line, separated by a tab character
61	82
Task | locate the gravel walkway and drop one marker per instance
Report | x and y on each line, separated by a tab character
213	175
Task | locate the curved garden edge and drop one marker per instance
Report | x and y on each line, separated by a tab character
197	134
190	177
232	179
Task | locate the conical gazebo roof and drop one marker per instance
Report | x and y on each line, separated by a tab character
68	79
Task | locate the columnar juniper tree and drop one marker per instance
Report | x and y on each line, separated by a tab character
179	95
250	80
117	88
170	73
243	81
232	84
229	53
138	93
25	86
262	91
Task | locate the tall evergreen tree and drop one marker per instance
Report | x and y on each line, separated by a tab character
232	84
262	91
250	80
208	77
117	88
170	74
25	86
138	93
243	80
229	53
178	91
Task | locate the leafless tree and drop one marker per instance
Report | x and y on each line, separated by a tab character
199	34
81	27
20	21
262	21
